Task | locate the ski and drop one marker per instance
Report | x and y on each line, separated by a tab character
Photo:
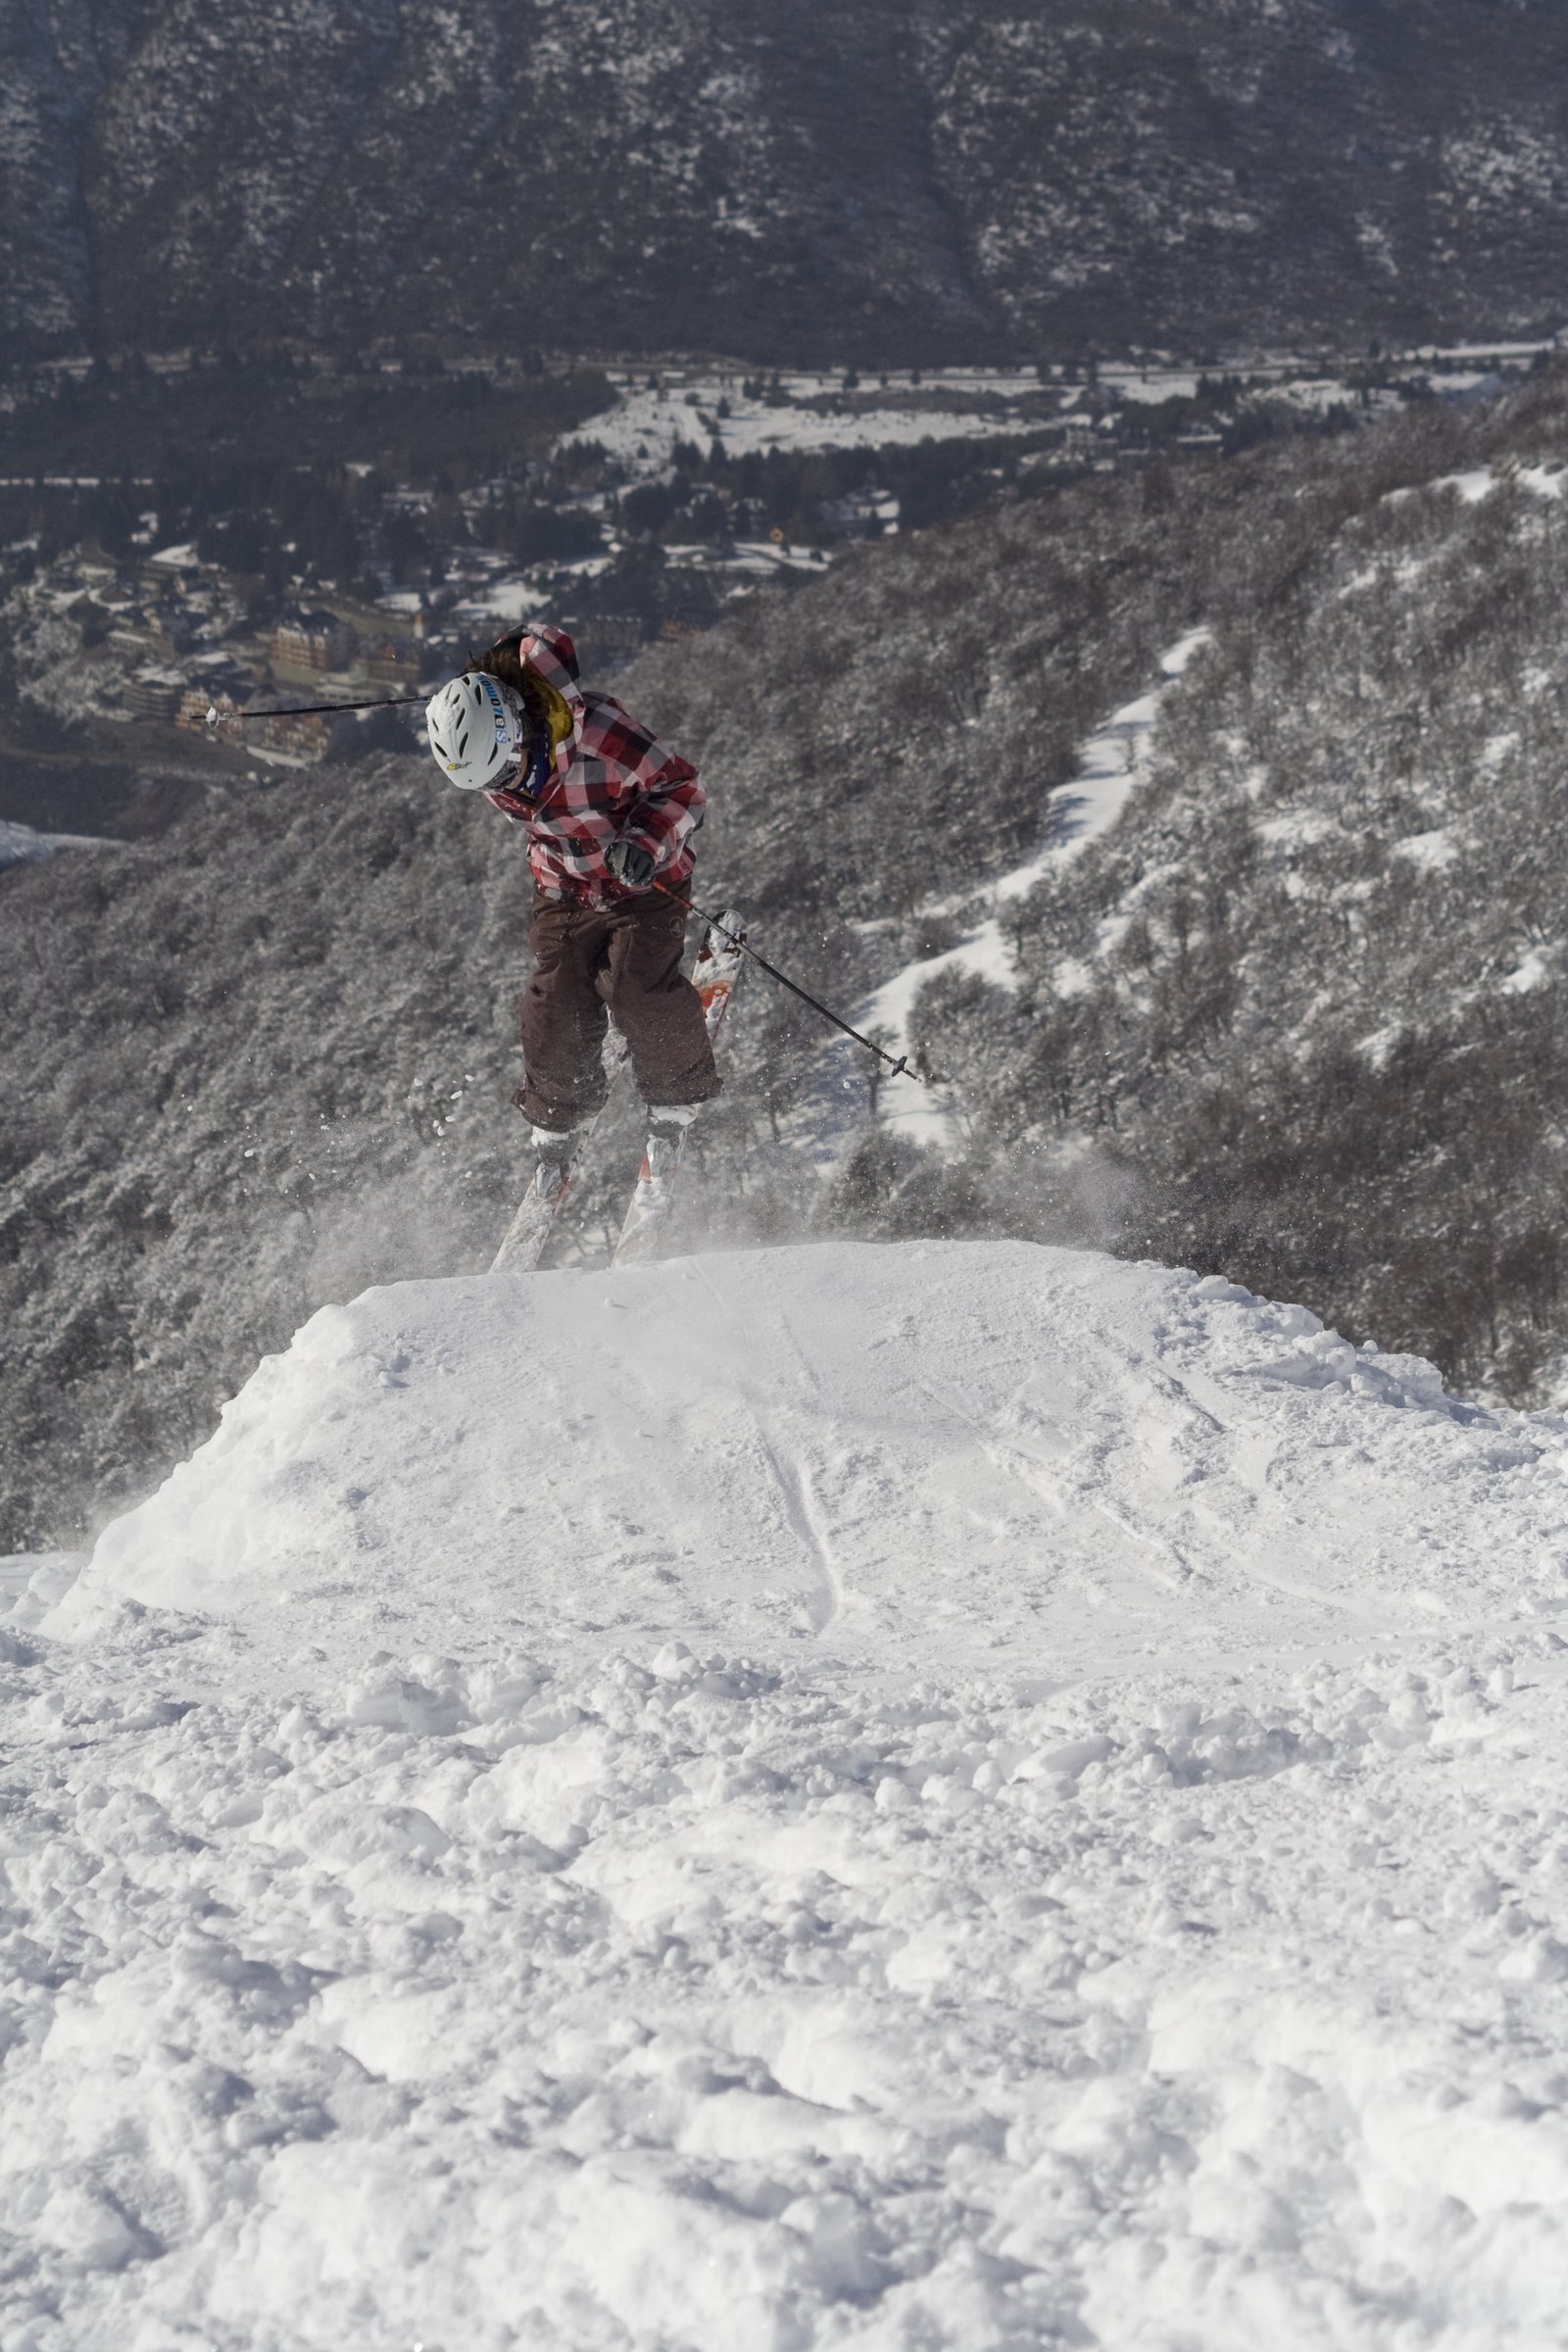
523	1243
716	970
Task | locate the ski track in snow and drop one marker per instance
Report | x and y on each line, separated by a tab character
797	1485
1111	767
960	1795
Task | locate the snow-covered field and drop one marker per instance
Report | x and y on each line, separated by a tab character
956	1795
809	411
801	411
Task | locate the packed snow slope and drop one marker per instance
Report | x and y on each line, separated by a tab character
922	1455
959	1796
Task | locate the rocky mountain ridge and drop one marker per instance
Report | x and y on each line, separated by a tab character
896	182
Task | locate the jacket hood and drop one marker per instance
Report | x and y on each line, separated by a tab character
549	656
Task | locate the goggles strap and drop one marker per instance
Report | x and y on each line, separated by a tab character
536	774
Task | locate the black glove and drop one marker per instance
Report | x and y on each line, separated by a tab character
629	863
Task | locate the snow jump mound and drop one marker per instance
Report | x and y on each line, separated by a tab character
828	1801
909	1455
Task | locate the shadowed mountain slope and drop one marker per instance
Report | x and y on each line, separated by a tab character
894	180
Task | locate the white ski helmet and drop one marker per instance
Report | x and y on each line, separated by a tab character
478	731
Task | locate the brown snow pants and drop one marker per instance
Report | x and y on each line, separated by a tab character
625	957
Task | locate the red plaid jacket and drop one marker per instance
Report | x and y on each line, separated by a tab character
611	782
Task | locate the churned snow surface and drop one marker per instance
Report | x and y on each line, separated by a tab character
932	1796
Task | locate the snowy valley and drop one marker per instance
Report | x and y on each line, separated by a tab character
955	1795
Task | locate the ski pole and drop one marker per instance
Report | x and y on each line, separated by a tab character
898	1068
381	702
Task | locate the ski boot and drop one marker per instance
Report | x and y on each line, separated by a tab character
667	1124
553	1150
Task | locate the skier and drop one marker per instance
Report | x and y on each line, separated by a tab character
608	811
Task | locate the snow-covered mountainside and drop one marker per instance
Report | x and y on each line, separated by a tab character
1293	1017
971	1795
893	180
1309	991
1299	1009
265	1060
